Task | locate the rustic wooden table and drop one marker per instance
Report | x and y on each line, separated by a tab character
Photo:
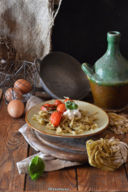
14	148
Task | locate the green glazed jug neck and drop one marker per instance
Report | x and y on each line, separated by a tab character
113	39
112	67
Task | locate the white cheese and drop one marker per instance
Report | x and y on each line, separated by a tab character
72	113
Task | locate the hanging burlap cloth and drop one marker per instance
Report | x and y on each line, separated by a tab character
25	29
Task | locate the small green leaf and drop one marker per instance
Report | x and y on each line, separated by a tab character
36	168
71	105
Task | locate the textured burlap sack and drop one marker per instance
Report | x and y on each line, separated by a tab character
25	34
28	23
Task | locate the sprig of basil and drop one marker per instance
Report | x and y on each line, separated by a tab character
36	168
71	105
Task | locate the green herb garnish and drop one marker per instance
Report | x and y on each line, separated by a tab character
36	168
71	105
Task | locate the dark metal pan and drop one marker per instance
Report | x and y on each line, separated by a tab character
61	75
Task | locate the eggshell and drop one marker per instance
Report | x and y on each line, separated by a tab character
23	85
12	94
15	108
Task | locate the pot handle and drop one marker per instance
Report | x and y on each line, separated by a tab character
87	70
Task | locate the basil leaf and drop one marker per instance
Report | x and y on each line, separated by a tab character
36	168
71	105
75	106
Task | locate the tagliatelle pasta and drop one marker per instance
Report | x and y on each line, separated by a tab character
118	123
107	154
75	126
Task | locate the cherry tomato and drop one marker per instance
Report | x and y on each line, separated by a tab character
57	102
55	118
43	108
61	108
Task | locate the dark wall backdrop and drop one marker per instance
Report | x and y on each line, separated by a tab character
81	26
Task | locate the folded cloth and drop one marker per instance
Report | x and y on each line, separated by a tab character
51	163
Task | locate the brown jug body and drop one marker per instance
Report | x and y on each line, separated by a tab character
109	97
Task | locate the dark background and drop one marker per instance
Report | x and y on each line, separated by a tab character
81	26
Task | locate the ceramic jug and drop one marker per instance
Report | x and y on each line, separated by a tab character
109	76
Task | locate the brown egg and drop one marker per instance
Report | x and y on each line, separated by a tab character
13	93
23	85
15	108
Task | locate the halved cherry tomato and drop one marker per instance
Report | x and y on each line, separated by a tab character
57	102
55	118
61	108
47	107
43	108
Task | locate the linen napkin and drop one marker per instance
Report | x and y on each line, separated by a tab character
51	163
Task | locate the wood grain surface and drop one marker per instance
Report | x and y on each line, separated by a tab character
91	179
13	148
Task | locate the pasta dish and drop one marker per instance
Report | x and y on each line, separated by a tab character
65	118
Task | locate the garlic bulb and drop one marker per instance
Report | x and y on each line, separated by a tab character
107	154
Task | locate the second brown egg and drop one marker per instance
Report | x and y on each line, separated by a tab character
12	93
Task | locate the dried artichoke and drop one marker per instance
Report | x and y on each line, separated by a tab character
107	154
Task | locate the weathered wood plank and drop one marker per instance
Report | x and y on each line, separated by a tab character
96	180
126	169
13	148
65	180
125	139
